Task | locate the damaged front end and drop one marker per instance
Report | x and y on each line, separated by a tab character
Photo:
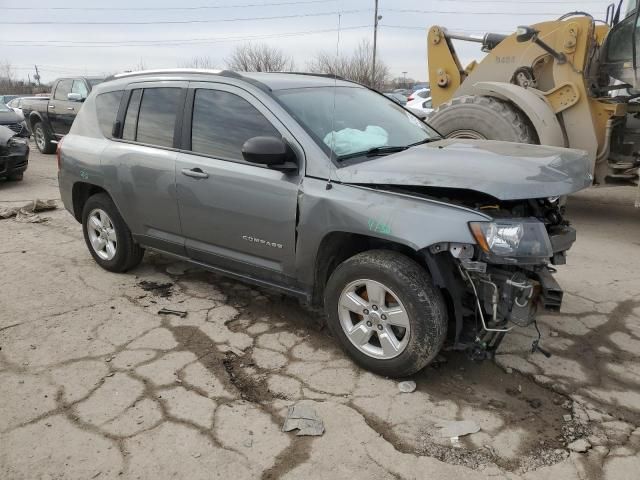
500	282
14	153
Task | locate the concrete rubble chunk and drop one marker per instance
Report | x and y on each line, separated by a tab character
303	418
457	428
408	386
580	446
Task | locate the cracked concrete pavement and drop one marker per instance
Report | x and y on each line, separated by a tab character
95	384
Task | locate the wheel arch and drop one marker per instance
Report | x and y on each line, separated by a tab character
337	246
35	117
80	193
536	108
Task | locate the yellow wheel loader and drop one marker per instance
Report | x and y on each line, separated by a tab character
568	83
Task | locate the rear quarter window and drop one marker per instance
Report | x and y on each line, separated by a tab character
107	105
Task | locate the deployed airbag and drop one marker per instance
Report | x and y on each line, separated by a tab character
352	140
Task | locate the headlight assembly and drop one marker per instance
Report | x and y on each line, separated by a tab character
517	238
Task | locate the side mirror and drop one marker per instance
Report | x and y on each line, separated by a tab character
524	34
269	151
74	97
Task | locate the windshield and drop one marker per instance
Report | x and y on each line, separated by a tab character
363	120
94	81
4	108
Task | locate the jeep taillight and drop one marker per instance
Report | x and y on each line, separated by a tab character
59	153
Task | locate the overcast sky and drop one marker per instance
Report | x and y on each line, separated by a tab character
107	40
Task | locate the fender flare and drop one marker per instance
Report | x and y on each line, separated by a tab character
533	105
35	116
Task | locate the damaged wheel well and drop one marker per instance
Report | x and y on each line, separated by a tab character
336	247
80	194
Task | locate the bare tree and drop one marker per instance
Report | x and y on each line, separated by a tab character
356	67
200	62
259	58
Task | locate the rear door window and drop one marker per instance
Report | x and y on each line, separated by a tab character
157	117
62	90
107	105
223	121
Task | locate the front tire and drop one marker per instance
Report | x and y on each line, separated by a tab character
43	139
16	177
482	118
386	313
107	236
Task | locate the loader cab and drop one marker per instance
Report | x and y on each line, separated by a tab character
621	50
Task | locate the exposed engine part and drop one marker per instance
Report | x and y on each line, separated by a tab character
524	77
509	297
479	305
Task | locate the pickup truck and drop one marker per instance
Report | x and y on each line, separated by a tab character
50	121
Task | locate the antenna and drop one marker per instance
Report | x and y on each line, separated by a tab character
333	119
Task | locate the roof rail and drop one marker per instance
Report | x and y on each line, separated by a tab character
169	70
311	74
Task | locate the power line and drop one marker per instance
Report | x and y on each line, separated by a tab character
175	41
173	22
203	41
460	12
146	9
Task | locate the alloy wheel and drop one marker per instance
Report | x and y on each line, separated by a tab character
102	234
374	319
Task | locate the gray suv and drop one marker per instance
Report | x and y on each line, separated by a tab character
330	192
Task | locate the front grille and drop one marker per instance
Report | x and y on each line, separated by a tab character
16	127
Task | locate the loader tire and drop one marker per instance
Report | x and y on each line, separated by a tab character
482	118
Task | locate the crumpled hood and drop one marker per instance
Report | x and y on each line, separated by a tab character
504	170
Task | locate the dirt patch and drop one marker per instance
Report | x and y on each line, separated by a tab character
251	384
163	290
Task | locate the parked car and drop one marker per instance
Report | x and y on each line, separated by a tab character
14	154
327	191
420	86
13	121
420	93
4	99
17	103
397	97
51	120
420	106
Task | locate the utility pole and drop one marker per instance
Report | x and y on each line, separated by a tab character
375	44
404	83
36	77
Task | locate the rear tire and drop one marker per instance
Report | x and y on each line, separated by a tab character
43	139
407	290
109	239
479	117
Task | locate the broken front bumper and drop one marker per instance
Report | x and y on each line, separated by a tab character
490	299
14	157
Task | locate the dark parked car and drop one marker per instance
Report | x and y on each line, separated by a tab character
50	121
397	97
13	121
14	154
330	192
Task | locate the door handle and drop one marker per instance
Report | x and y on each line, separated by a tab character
195	173
70	108
52	106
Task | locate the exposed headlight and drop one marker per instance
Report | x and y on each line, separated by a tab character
514	238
